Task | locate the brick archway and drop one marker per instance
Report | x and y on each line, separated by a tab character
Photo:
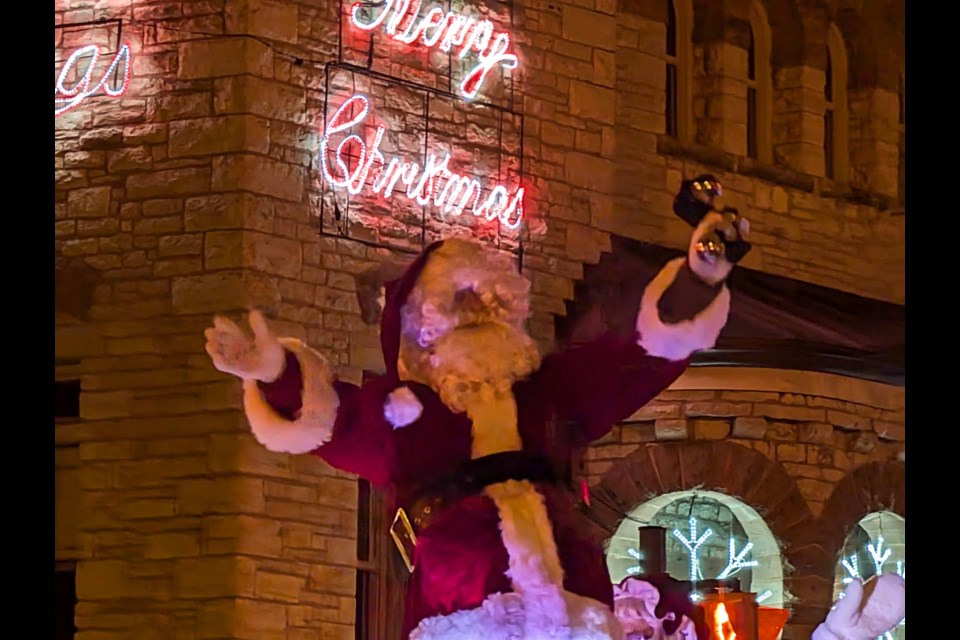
735	470
872	487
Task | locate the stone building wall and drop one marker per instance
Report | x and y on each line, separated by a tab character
196	193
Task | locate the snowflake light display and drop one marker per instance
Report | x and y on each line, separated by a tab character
879	555
735	560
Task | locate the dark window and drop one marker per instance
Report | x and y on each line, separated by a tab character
671	29
752	97
65	603
902	179
828	124
828	84
752	122
66	399
672	107
828	143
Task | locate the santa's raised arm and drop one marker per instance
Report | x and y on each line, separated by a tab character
472	432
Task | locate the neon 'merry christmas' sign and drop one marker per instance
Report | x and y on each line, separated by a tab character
67	98
444	30
434	183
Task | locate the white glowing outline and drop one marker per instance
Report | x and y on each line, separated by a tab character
458	192
450	29
735	561
66	98
692	545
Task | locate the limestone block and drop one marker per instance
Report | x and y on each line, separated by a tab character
706	429
211	58
592	102
670	429
264	18
92	202
259	174
750	428
214	577
171	182
589	27
789	452
223	134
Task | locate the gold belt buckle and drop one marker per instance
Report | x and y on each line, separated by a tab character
404	537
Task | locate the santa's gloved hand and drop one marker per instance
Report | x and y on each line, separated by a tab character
866	611
718	243
232	351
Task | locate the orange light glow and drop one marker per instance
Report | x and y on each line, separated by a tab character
722	626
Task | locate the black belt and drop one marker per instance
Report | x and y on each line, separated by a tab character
473	477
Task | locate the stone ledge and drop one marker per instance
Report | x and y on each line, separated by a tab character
871	394
780	176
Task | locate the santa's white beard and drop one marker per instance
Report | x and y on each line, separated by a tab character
473	364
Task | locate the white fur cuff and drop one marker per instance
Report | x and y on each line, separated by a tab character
402	408
504	616
314	425
678	341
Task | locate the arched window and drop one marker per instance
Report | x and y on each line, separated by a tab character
835	143
759	87
902	178
677	56
876	545
729	521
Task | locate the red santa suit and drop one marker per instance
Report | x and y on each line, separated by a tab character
497	556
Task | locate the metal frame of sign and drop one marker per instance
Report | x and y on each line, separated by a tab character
342	219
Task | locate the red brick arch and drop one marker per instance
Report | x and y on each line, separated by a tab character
737	471
872	487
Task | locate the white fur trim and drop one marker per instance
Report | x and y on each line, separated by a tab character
714	272
314	426
534	564
866	610
678	341
505	616
402	408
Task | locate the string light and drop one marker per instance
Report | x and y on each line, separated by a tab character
692	545
444	30
67	98
735	561
766	595
852	567
458	191
879	558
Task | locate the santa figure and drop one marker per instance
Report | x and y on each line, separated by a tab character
469	429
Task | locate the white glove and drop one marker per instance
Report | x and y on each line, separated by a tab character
866	611
232	351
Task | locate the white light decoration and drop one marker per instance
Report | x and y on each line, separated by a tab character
66	98
764	596
444	30
634	570
457	193
735	561
879	558
852	567
692	545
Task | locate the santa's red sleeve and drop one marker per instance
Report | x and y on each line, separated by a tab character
307	410
601	383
